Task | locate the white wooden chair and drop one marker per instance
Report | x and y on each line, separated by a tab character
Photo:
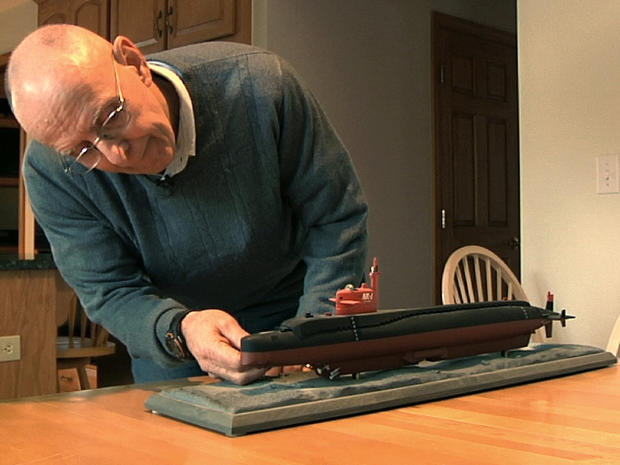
613	345
475	274
84	341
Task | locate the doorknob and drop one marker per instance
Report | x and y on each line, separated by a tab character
514	243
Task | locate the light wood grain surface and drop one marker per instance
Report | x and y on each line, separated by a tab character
568	420
27	310
33	302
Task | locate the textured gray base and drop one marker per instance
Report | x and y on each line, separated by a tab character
304	397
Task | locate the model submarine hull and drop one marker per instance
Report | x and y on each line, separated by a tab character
342	344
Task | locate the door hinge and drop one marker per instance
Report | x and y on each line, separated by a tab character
441	74
443	219
169	20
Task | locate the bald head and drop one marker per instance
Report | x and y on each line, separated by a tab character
64	81
51	64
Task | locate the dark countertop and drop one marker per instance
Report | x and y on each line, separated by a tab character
42	261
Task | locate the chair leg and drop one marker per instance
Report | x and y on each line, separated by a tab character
84	383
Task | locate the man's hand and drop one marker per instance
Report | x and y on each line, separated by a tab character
214	339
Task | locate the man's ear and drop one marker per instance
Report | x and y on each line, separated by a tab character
126	53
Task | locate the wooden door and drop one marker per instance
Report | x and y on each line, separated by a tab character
143	21
476	140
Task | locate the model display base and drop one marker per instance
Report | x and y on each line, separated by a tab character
305	397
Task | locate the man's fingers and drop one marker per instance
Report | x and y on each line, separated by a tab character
214	337
239	377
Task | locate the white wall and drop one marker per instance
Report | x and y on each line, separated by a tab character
569	61
369	64
17	19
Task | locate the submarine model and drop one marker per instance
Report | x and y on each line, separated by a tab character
359	337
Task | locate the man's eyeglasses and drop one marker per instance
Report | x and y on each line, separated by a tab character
89	155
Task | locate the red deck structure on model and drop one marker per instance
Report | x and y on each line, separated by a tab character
353	300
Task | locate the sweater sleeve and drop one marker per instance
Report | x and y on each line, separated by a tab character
320	183
96	259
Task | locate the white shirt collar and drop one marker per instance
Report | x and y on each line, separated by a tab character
186	137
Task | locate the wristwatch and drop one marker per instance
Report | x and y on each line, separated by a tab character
175	341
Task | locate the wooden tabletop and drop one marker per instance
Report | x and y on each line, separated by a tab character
568	420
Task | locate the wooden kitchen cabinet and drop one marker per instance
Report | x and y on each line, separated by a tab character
156	25
91	14
32	294
18	230
143	21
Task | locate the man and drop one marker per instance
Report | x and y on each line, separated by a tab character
188	199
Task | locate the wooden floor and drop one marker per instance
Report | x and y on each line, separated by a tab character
569	420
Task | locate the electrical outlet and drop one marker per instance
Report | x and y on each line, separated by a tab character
607	174
10	348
